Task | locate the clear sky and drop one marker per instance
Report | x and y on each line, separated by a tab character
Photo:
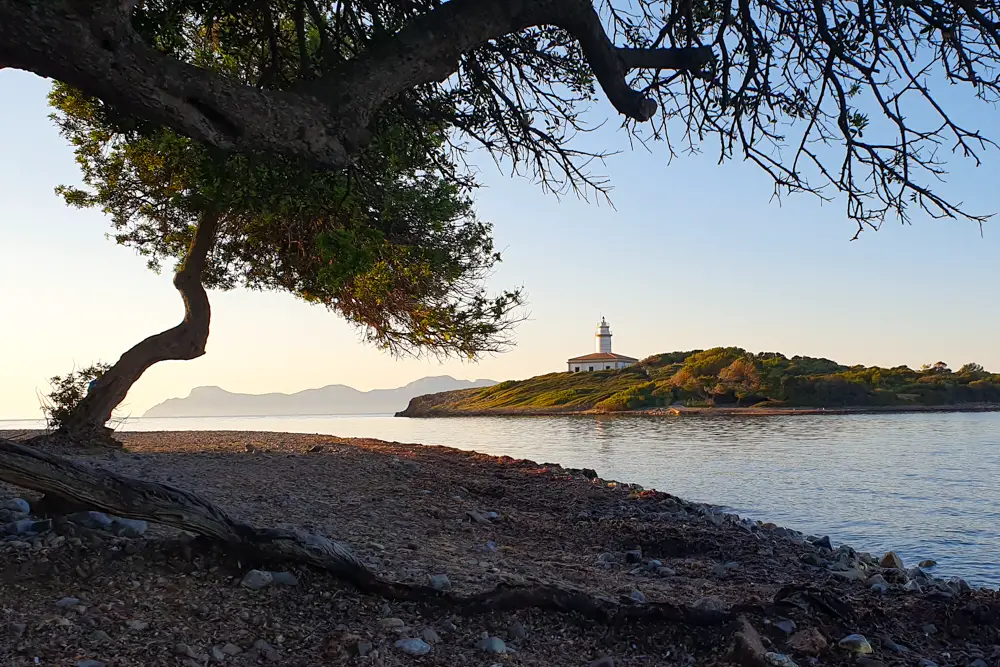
694	255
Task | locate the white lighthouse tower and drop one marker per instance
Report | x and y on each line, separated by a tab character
603	359
603	337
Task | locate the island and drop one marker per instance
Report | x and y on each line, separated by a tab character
725	380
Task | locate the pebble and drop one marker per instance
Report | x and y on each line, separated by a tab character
269	652
881	588
890	645
413	646
876	579
710	603
184	649
284	579
128	527
633	556
17	505
912	586
448	626
492	645
606	661
978	662
927	563
429	636
929	628
217	654
653	565
855	644
67	603
924	662
870	662
785	625
809	641
18	629
363	648
516	631
257	579
665	572
638	596
891	560
137	625
89	663
440	582
231	649
392	622
779	660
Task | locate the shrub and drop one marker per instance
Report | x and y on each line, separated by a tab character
66	392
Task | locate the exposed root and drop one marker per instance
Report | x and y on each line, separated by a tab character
69	486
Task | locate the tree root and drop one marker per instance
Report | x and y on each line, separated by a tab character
69	486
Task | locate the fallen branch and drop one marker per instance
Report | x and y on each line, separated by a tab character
70	486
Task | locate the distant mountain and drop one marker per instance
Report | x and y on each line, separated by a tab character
335	399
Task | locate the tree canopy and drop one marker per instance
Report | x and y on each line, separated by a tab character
827	96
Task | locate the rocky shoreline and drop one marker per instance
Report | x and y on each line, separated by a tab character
91	590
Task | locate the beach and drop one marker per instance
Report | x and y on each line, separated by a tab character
414	514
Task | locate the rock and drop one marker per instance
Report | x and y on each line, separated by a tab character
870	662
257	579
269	652
284	579
89	663
809	641
17	505
429	636
231	649
850	575
856	644
638	596
448	626
779	660
128	527
889	645
18	629
589	473
929	628
824	542
492	516
363	648
67	603
876	579
927	563
891	560
184	650
748	649
137	625
653	565
978	662
390	623
813	559
517	631
440	582
606	558
785	625
665	572
912	586
926	663
28	527
606	661
633	556
477	517
880	588
217	654
719	570
959	584
413	646
493	645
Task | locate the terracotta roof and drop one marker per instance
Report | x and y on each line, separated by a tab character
602	356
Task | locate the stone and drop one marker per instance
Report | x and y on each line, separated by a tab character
284	579
710	603
390	623
926	663
448	626
363	648
809	641
17	505
440	582
850	575
785	625
89	663
137	625
605	661
429	636
880	588
978	662
779	660
870	662
413	646
184	650
876	579
257	579
493	645
638	596
28	527
719	570
748	649
217	654
128	527
633	556
959	584
67	603
856	644
927	563
891	560
269	652
231	649
929	628
653	565
813	559
517	631
824	542
665	572
912	586
889	645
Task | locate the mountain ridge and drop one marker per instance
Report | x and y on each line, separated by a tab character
333	399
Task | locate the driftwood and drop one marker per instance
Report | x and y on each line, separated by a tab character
69	487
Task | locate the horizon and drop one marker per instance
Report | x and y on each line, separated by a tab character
715	264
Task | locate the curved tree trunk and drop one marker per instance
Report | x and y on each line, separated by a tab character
185	341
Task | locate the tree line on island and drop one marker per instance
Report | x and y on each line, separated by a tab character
725	377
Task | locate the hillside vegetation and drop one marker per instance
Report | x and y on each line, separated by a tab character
727	376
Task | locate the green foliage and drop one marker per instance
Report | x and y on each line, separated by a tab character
392	244
731	376
66	391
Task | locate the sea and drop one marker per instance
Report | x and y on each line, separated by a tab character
925	485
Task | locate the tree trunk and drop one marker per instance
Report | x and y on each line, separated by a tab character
185	341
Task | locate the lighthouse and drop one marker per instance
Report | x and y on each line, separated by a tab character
603	359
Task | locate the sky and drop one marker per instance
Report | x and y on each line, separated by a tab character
692	255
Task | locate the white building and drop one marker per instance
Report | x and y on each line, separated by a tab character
602	360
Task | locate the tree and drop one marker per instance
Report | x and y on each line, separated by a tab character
771	81
392	244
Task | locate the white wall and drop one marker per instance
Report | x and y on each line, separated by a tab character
585	366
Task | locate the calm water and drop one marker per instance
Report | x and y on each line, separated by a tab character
925	485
